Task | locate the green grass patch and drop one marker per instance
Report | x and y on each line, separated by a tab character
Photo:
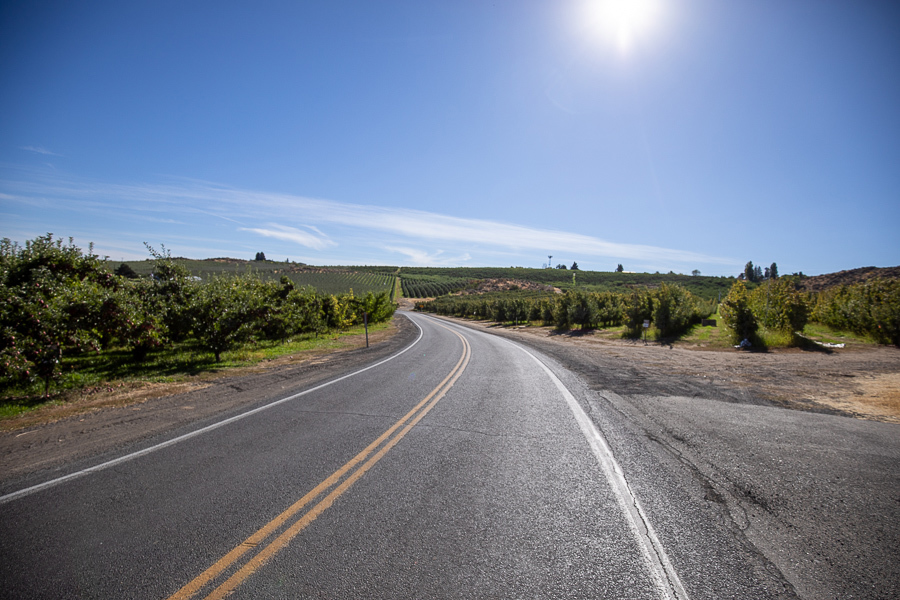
827	335
177	363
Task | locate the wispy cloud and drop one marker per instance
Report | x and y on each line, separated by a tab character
292	234
423	237
423	258
39	150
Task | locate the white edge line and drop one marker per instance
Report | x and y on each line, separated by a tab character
111	463
661	570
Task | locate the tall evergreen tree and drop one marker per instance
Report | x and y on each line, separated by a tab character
773	271
749	272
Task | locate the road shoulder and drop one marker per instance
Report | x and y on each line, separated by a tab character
108	428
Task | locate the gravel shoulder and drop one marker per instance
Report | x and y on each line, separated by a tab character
862	382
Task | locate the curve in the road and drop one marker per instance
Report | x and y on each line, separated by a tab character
657	560
338	483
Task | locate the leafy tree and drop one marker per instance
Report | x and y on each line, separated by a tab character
871	308
778	305
749	271
260	256
574	266
773	271
582	310
224	312
620	268
638	308
695	273
50	294
674	310
562	266
124	270
169	298
737	313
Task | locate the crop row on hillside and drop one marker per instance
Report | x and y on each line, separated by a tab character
325	280
707	288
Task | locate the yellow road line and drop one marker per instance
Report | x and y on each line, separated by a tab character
410	419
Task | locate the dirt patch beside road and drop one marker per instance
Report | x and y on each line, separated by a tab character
857	382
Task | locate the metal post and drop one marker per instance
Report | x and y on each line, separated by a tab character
366	324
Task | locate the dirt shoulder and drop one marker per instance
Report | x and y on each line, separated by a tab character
106	419
856	382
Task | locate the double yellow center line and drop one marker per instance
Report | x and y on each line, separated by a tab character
267	541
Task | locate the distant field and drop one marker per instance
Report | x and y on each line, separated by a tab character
708	288
419	282
329	280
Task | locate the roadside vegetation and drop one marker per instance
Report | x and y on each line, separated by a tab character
67	321
771	312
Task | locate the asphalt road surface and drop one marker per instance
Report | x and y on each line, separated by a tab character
466	466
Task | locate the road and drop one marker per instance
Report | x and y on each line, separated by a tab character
466	466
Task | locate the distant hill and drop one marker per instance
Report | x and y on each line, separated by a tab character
823	282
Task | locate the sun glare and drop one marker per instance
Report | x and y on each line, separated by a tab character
621	22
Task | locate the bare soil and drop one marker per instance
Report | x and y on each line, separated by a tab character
860	381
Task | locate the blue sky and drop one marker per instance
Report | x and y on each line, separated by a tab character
663	135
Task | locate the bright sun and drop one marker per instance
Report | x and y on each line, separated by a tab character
622	21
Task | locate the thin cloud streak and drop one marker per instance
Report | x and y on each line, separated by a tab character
291	234
39	150
248	207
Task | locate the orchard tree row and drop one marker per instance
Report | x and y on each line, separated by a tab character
56	300
670	308
869	308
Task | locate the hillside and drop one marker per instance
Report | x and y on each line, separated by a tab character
823	282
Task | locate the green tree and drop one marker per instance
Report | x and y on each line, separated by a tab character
50	293
620	268
124	270
749	271
225	311
737	313
779	306
638	308
674	310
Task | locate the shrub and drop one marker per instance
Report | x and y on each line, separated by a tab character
779	306
737	314
674	310
638	308
870	308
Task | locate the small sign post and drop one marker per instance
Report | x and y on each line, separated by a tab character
366	325
646	327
